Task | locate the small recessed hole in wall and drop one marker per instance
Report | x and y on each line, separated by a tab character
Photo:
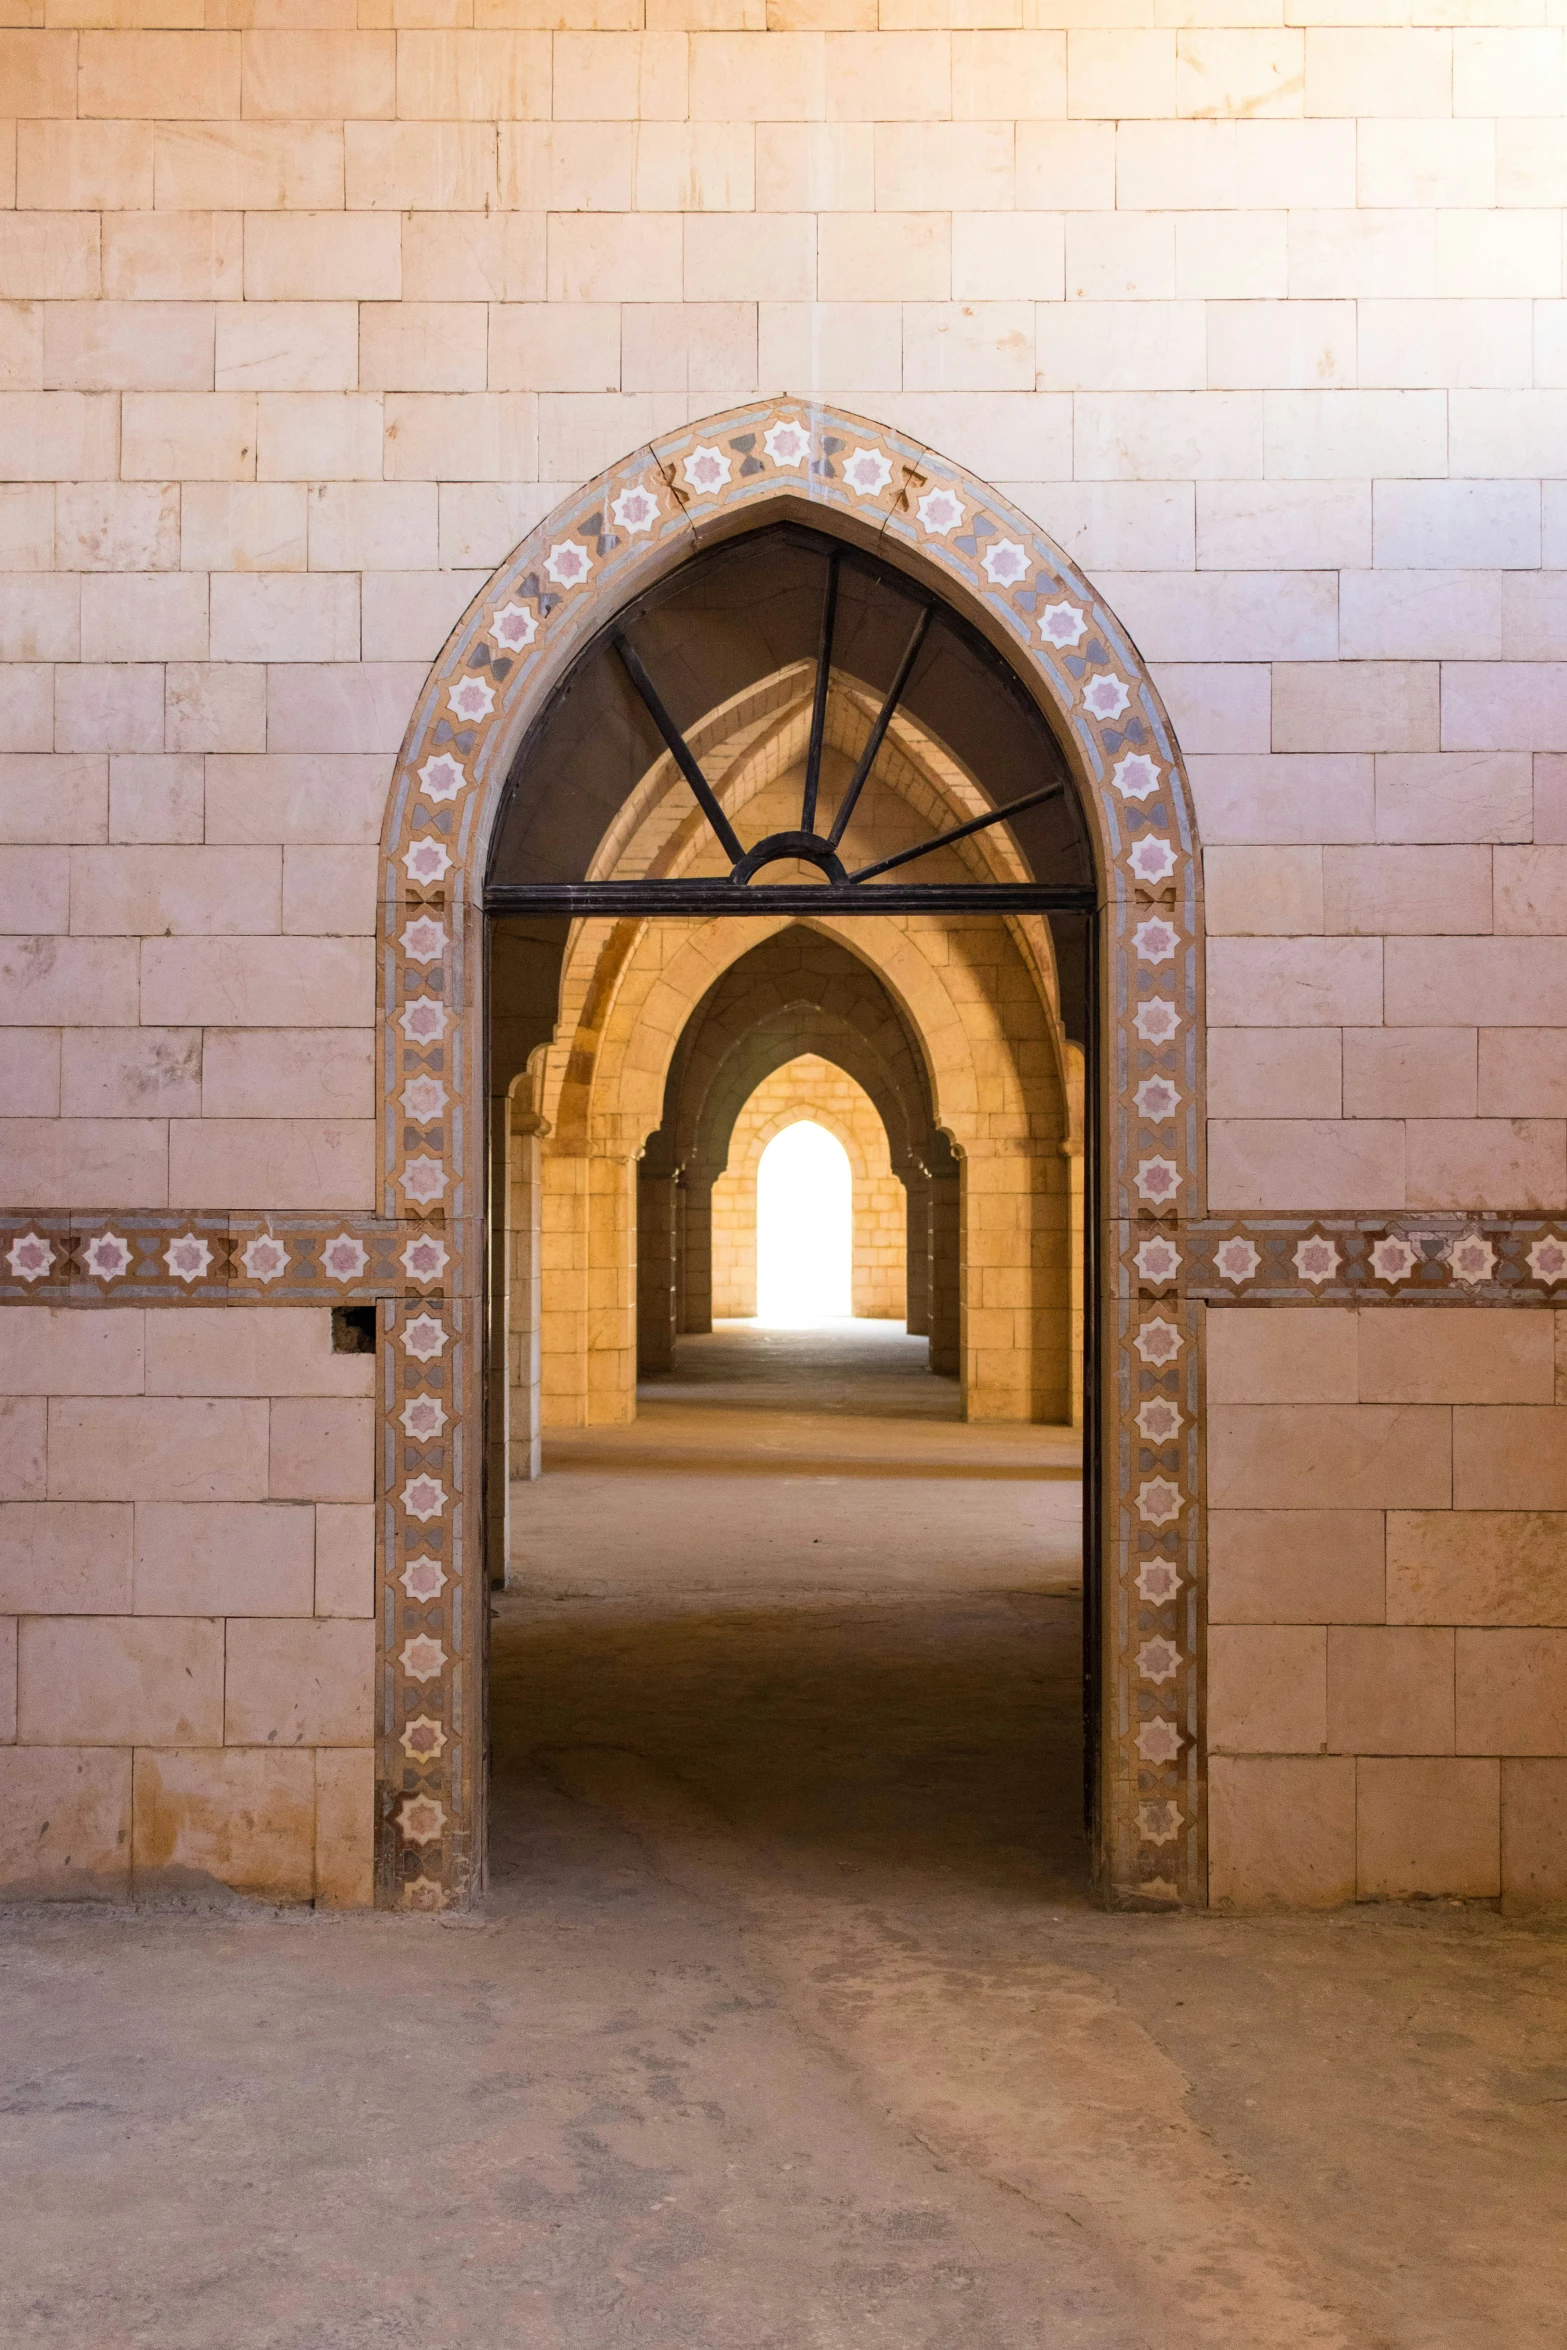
353	1330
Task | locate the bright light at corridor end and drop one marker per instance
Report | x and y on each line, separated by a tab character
804	1228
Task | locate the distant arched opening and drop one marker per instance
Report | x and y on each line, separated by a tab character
804	1227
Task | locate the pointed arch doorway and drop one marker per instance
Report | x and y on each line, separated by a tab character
527	799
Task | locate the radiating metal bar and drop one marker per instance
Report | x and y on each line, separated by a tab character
883	721
613	900
813	756
680	749
944	840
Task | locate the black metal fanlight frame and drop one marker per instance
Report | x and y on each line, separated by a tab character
845	891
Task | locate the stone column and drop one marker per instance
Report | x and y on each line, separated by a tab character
946	1283
658	1262
696	1248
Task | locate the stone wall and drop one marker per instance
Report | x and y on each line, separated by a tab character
811	1088
302	325
187	1564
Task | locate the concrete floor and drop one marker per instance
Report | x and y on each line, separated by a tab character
787	2023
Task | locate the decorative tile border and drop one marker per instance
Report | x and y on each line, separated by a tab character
141	1259
1415	1259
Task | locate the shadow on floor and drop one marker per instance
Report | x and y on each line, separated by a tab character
937	1736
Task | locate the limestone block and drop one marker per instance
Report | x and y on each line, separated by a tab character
1274	1073
607	77
467	436
1267	1689
1008	76
1116	256
116	527
1217	706
1390	1689
1534	614
1338	255
330	798
1550	344
56	436
1511	70
23	1448
1296	1566
1426	163
299	1684
242	526
1522	1073
1112	76
1530	166
341	708
728	255
27	523
52	800
1504	435
173	256
322	1451
1294	983
60	1558
944	166
345	1827
166	76
260	1163
330	890
27	706
419	166
1281	1832
461	76
1359	706
1117	525
1306	1355
1456	525
248	166
1334	435
284	616
1409	1073
1486	1163
336	435
1550	797
1160	436
130	1072
214	706
1436	796
53	1350
1509	1457
30	1072
50	256
1496	982
1534	1835
120	1681
345	1559
815	167
225	1350
1262	1164
1285	799
39	618
884	256
323	76
372	526
169	436
1371	71
322	257
1428	1827
242	1819
690	167
175	891
156	1449
1471	1566
987	345
582	432
706	346
471	257
85	166
260	983
223	1558
85	1162
67	982
1103	345
1255	344
35	890
65	1824
287	347
1330	1456
1247	74
38	71
278	1073
1263	891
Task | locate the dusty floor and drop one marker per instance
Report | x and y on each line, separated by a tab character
787	2024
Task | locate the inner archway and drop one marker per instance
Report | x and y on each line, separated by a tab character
804	1227
1113	758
